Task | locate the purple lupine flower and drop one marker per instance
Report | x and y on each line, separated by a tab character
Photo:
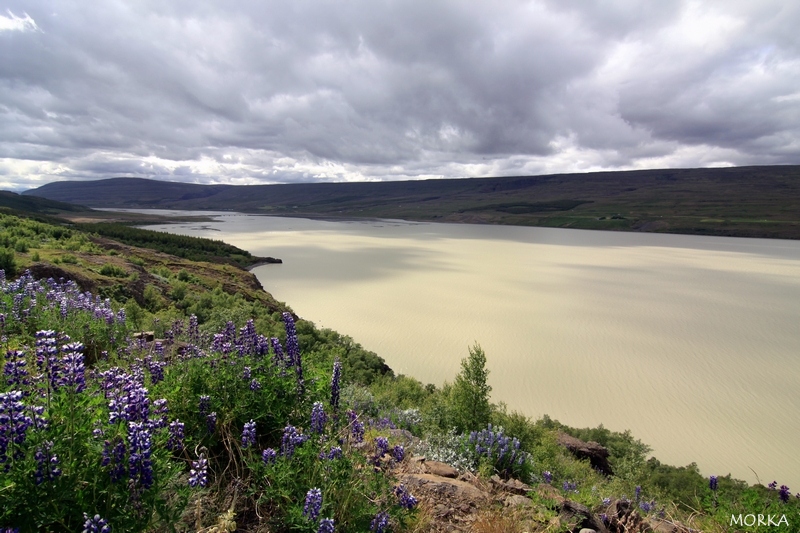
194	329
255	385
293	351
318	418
380	523
268	456
398	453
290	440
211	422
249	434
176	436
114	457
15	368
334	453
638	491
279	359
647	506
14	423
326	526
570	486
205	404
407	501
712	482
95	524
548	477
335	384
313	504
784	494
773	485
381	446
198	475
46	464
246	373
356	427
140	464
606	501
604	518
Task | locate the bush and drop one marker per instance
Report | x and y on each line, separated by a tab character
113	271
8	262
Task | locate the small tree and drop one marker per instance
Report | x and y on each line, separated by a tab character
470	393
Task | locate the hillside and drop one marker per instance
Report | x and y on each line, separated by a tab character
740	201
147	392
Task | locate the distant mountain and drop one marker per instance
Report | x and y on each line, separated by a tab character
744	201
36	204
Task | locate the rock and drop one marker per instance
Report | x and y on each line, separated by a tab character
147	336
442	487
512	485
515	500
594	452
587	530
440	469
573	510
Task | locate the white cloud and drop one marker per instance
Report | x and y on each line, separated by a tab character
11	22
267	91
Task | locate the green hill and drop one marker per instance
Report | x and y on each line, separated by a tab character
739	201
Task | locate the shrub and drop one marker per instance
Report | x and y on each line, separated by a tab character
8	262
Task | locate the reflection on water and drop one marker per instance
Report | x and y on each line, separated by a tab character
692	343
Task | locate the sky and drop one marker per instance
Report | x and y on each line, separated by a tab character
262	91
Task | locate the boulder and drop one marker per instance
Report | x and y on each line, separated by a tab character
573	510
594	452
440	469
453	490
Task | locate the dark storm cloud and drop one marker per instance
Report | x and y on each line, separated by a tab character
256	92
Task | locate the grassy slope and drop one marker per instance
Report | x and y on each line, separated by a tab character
133	270
742	201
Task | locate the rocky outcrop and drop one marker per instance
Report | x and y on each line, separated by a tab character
594	452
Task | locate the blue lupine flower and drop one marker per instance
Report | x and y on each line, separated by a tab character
140	464
380	523
318	418
313	504
407	501
326	526
381	446
268	456
114	457
293	351
246	373
290	440
712	482
46	464
255	385
176	436
638	491
198	475
399	453
95	524
14	423
548	477
205	404
15	368
249	434
211	422
784	494
356	427
606	501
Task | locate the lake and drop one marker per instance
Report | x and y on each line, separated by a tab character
692	343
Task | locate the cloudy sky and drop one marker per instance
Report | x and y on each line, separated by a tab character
259	91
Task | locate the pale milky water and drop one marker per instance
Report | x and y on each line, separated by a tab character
692	343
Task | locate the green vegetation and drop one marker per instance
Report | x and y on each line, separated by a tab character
739	201
192	248
260	426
